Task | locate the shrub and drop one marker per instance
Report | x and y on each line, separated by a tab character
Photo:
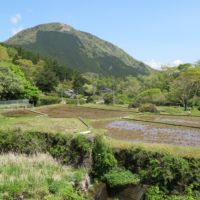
117	177
134	105
77	175
153	193
103	158
89	99
57	185
49	100
108	98
119	101
74	101
38	104
148	108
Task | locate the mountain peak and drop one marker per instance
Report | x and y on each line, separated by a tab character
79	50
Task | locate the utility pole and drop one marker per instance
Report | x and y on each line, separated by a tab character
77	98
62	94
113	92
93	86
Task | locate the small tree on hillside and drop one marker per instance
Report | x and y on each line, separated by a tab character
10	83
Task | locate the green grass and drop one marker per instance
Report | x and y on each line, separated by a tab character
178	110
46	124
35	176
11	105
183	151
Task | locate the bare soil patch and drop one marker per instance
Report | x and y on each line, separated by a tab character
19	113
151	133
85	113
110	107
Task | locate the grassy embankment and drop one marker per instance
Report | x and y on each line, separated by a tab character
35	176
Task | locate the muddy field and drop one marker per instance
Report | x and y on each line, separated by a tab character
182	120
19	113
109	107
151	133
85	113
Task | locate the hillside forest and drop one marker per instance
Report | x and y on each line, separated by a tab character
25	74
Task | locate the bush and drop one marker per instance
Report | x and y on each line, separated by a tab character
108	98
148	108
154	193
89	99
103	158
118	177
74	101
49	100
76	176
57	185
119	101
38	104
134	105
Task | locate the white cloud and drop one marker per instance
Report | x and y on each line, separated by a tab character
16	18
177	62
153	64
30	10
16	30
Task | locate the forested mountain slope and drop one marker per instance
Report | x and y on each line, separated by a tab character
79	50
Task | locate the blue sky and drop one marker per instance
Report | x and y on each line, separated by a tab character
153	31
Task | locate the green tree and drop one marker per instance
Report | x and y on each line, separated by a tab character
10	83
3	53
28	91
185	87
88	89
27	67
150	92
46	80
16	57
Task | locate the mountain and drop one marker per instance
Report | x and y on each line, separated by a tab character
79	50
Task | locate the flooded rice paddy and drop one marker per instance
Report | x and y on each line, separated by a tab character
187	121
151	133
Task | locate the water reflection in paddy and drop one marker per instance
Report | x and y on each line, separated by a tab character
143	132
187	121
176	120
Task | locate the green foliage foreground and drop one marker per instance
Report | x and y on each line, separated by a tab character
153	193
117	177
67	148
37	176
172	174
